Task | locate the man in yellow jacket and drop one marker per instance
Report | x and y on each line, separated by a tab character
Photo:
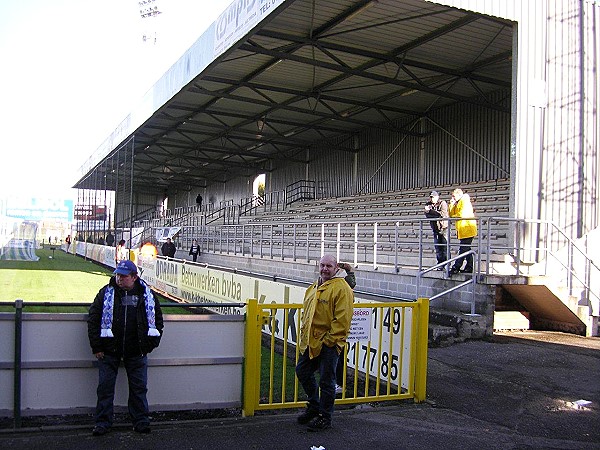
466	230
326	317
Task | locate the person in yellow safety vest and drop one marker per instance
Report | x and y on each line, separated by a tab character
325	324
466	230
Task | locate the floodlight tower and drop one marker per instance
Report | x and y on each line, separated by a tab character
149	10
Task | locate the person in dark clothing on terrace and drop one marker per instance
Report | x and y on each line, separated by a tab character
168	249
436	208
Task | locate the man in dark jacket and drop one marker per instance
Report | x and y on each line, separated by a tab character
168	249
438	209
125	323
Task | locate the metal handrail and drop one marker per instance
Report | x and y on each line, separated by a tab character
362	241
472	280
571	246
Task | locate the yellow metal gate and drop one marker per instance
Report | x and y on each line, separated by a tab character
386	357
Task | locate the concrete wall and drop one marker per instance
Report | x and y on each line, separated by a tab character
197	366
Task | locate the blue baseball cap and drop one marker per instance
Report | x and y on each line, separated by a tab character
126	268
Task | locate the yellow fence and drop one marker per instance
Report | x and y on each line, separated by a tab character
386	358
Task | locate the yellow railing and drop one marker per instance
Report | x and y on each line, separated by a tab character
389	362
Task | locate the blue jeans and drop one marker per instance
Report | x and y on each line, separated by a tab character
325	363
137	377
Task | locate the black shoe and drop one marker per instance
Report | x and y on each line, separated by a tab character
319	424
99	431
143	428
454	270
307	416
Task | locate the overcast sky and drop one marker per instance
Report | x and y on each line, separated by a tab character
71	71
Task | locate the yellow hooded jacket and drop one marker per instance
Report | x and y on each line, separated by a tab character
464	208
326	315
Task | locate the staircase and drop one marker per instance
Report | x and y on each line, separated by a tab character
559	293
548	307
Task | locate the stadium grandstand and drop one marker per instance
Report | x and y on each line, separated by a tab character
353	111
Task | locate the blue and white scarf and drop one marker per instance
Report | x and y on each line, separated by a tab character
108	307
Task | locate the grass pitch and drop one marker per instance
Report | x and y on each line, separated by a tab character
62	278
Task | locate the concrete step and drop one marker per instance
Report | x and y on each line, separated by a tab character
442	336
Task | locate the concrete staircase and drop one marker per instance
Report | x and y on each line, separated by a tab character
449	327
542	303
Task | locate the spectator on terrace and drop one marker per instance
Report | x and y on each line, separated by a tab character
121	253
110	239
436	208
466	230
194	250
168	249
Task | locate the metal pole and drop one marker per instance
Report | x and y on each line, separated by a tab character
375	246
307	242
488	247
294	245
356	244
338	240
420	247
480	228
473	285
131	173
17	371
282	240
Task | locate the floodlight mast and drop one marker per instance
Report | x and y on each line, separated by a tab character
149	9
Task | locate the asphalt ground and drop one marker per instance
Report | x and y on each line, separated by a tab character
517	391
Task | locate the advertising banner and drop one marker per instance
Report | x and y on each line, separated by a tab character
239	18
380	337
37	209
162	233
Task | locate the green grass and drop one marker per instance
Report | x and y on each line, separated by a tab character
277	377
65	278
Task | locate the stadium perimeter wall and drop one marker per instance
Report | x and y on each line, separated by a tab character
198	365
449	310
384	283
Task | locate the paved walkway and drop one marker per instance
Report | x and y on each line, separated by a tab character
516	392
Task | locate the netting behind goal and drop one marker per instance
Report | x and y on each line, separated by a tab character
17	240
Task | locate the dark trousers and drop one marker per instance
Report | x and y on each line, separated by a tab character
137	377
325	363
465	246
440	244
339	370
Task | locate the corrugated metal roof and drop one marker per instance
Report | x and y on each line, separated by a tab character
315	71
